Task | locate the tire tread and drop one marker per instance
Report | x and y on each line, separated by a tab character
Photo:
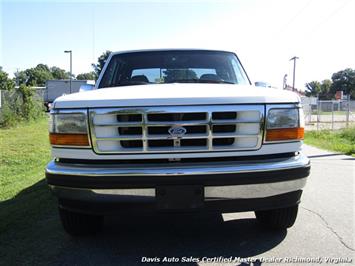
278	218
80	224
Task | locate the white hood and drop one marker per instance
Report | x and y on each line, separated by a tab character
175	94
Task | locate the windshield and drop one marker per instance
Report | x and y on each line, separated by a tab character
156	67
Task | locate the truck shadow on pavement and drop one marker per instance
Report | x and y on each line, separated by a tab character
31	233
135	239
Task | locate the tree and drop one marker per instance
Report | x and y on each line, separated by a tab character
38	76
42	67
21	78
344	80
314	88
171	75
325	90
86	76
101	62
322	90
5	82
59	73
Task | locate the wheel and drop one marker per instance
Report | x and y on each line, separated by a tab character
278	218
80	224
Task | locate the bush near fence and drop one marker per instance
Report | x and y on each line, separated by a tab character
20	104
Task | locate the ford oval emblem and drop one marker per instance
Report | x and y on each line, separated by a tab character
177	131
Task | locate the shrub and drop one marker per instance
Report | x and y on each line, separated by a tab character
349	134
339	140
20	104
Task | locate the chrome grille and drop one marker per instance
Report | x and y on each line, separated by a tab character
206	128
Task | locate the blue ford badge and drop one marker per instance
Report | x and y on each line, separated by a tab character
177	131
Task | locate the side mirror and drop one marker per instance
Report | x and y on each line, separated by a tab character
86	87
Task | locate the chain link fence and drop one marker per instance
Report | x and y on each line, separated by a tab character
13	105
331	114
11	97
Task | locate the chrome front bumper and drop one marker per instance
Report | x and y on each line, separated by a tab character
242	180
210	192
100	170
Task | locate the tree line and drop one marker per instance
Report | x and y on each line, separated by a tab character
38	75
343	80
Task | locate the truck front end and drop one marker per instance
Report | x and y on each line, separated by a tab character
176	130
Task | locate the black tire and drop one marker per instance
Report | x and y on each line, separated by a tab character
278	218
78	224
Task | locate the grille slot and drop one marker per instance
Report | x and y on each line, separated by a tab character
224	115
193	142
223	128
130	130
223	142
158	130
161	143
129	118
176	117
131	144
202	129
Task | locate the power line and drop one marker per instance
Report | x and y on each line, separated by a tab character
285	26
329	17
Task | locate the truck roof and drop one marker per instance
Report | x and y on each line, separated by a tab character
169	49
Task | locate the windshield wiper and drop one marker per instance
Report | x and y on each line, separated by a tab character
216	81
131	83
183	81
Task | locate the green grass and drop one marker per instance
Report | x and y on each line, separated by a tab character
314	112
29	223
341	140
25	151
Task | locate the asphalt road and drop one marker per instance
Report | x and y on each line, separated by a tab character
324	229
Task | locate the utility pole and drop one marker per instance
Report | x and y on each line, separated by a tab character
17	79
71	74
348	111
294	71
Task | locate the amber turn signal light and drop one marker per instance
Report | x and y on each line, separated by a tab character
285	134
69	139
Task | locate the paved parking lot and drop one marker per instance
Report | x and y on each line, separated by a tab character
324	229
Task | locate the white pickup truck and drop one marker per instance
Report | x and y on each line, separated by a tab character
176	130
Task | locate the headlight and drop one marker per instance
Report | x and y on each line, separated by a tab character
284	124
282	118
68	128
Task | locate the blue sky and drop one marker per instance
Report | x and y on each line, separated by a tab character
265	34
